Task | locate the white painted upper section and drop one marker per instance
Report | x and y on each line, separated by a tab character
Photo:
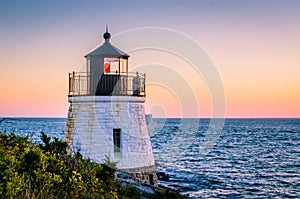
94	124
91	99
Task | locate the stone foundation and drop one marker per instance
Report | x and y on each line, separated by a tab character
144	174
150	178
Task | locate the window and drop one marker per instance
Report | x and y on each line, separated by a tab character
111	65
117	140
123	65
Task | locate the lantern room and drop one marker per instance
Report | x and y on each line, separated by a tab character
107	73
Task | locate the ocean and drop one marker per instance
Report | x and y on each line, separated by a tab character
249	158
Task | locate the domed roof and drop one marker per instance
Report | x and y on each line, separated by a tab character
107	50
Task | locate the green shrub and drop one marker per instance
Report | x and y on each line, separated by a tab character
47	171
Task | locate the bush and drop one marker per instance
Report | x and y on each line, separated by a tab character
46	171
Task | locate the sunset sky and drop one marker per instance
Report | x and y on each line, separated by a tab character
254	44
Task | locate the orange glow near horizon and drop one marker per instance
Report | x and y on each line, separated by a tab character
163	105
249	92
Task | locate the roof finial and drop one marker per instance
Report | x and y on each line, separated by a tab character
106	35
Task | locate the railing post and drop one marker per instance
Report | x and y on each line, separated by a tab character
73	83
69	84
144	84
78	84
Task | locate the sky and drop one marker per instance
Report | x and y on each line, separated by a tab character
254	44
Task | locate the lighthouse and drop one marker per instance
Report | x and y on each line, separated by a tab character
106	116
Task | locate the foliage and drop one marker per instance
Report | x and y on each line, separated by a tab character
47	171
57	145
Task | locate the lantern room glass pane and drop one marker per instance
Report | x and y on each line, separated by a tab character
111	65
123	65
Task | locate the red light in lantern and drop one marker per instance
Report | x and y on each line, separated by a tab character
106	67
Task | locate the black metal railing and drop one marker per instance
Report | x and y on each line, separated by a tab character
128	84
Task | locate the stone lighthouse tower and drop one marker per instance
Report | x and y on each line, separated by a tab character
106	116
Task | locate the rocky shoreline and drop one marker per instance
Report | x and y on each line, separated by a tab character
148	190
